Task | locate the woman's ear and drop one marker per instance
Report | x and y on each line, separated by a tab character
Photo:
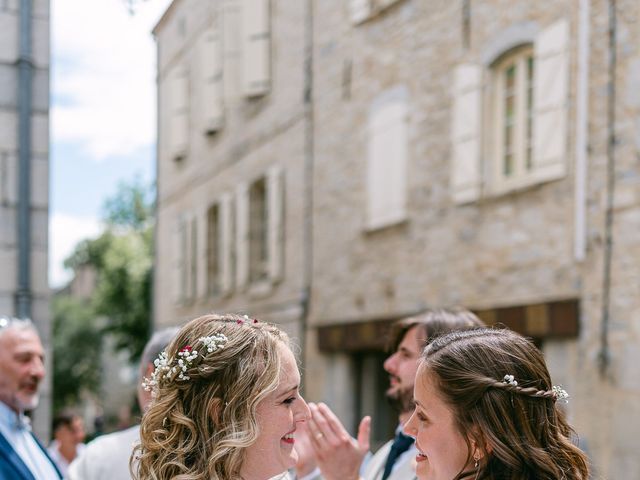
480	447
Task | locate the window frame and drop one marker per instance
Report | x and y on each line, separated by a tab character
522	60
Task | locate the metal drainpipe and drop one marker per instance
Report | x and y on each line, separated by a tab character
604	356
25	74
308	180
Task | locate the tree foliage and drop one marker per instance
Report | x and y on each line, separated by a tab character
77	346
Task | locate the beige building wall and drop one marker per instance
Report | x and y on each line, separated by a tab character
410	208
501	249
9	169
257	135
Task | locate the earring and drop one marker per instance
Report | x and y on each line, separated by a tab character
476	465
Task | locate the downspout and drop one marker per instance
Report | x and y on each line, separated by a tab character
25	74
582	114
308	180
604	356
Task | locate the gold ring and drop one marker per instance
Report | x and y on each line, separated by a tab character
319	435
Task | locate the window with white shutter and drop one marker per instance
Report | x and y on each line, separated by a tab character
551	98
387	160
258	231
528	138
212	86
466	176
179	113
256	47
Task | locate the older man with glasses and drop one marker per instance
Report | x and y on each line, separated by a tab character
22	457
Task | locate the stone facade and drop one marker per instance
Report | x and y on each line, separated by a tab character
9	169
532	255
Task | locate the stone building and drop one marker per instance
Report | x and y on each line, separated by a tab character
475	153
24	171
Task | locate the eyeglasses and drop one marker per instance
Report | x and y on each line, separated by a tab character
8	321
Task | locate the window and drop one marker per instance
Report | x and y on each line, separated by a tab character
258	234
178	132
387	159
513	78
523	138
256	47
259	230
185	259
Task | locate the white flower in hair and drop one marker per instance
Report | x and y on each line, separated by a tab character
510	380
214	342
560	393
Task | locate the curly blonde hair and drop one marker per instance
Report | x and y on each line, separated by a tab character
199	428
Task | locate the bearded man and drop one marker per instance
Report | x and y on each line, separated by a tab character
340	456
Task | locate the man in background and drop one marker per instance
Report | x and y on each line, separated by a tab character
68	435
107	457
22	457
341	457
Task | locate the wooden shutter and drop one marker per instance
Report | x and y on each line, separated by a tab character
212	91
275	214
551	93
242	235
466	176
226	244
387	164
256	47
179	101
360	10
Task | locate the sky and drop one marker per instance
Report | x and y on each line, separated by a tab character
103	113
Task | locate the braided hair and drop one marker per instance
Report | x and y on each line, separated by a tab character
500	390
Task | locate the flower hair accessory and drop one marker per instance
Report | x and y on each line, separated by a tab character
510	380
560	393
167	368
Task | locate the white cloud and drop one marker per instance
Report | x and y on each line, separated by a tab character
104	75
65	231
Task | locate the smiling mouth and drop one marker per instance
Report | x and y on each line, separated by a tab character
289	438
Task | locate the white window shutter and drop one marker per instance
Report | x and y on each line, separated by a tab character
212	92
256	51
360	10
242	235
275	214
466	176
178	255
201	257
179	101
226	242
192	256
387	165
550	97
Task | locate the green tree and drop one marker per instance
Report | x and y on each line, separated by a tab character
77	346
122	260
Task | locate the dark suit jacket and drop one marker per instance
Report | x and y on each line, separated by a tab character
11	465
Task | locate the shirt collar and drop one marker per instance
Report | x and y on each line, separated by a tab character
13	420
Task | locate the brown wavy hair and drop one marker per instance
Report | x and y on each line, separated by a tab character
519	428
199	428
